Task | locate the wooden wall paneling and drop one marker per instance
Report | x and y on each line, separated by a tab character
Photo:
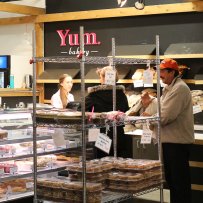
39	34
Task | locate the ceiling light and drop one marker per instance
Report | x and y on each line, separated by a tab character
121	3
139	4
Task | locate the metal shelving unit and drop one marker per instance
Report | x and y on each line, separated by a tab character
102	61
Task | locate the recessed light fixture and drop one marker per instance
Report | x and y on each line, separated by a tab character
139	4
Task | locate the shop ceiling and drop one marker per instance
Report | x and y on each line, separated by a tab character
25	11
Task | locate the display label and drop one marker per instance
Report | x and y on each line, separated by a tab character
1	171
29	185
146	136
58	138
13	170
93	134
138	83
148	78
197	109
103	142
110	77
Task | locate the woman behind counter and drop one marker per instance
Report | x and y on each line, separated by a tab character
63	96
101	99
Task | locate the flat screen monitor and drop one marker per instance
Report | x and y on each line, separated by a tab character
4	62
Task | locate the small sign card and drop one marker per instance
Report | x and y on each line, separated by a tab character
110	77
146	136
148	78
103	142
138	83
93	133
197	109
58	138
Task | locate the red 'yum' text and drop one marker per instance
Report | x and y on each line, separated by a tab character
73	39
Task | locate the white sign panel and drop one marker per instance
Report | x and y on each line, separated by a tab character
103	142
110	77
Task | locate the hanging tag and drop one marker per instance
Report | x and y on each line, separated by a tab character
1	171
93	134
9	191
13	170
58	138
147	135
138	83
29	185
148	78
197	109
110	77
103	142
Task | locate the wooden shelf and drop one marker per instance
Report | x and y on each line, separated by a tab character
196	6
183	56
196	164
121	81
16	92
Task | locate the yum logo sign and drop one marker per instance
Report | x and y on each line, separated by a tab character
72	39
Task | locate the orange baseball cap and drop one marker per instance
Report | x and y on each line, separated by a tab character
169	63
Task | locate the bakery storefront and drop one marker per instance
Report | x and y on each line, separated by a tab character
63	169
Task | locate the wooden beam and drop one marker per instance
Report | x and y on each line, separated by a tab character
17	20
123	12
181	56
20	9
197	187
39	30
196	164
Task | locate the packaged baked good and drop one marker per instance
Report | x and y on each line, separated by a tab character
3	134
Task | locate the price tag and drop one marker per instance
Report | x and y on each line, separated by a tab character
13	150
110	77
2	152
9	191
13	170
58	138
103	142
1	171
30	150
44	146
148	78
93	134
29	185
197	109
146	136
138	83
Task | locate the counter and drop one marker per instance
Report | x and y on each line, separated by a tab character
16	92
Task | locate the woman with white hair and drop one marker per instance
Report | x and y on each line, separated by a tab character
100	98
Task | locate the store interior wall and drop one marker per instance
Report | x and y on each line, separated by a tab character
16	40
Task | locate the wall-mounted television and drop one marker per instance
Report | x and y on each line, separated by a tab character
4	61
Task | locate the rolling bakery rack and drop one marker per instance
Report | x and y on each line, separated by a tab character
107	196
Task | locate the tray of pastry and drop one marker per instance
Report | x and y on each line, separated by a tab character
61	188
93	166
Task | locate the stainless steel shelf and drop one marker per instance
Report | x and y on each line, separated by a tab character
29	174
28	139
94	60
109	197
114	197
24	156
16	196
102	124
